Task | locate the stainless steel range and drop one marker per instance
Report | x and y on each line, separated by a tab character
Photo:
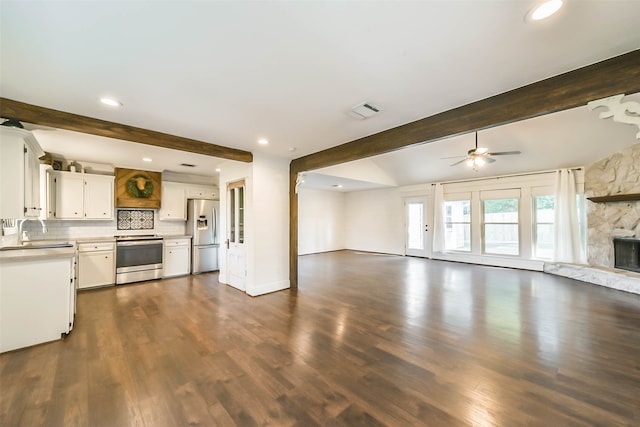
138	258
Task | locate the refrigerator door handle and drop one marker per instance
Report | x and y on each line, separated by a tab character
214	229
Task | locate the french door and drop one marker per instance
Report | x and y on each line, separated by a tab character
236	253
418	228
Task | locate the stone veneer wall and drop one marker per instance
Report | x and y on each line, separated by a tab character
616	174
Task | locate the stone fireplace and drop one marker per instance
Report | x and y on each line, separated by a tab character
616	175
612	186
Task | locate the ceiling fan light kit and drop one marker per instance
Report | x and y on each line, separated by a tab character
479	156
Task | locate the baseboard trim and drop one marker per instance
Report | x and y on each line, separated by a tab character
267	288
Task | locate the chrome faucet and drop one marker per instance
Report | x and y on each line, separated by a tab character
22	235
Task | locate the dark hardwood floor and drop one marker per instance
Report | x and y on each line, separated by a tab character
368	340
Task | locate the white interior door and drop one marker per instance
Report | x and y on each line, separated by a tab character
418	214
236	254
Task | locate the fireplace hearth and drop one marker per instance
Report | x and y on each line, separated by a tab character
627	253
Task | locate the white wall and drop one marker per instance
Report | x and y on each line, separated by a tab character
321	221
268	236
375	221
266	222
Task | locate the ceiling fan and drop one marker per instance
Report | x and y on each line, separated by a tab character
479	156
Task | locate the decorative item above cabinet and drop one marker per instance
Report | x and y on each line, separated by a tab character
138	189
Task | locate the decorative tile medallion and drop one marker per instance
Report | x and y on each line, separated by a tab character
135	219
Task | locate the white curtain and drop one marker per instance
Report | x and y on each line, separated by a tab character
438	219
567	229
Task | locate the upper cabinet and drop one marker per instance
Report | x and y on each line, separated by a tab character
80	196
196	191
174	202
175	195
19	173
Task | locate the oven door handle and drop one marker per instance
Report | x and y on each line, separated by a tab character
140	243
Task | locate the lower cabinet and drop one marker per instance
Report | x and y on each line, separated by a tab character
177	257
37	299
96	264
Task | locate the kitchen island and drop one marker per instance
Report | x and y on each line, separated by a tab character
37	294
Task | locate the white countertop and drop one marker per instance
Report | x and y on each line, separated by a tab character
35	253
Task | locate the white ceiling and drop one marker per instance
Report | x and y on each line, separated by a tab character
230	73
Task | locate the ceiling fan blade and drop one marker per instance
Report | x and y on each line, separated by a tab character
489	160
504	153
451	157
457	163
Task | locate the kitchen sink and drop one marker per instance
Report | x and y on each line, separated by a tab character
33	245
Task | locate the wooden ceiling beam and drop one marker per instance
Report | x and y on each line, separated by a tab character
617	75
59	119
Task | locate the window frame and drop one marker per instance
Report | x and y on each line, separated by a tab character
470	223
484	223
535	223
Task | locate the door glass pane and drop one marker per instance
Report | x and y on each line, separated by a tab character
241	215
232	215
415	226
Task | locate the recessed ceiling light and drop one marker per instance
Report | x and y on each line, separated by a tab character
218	169
543	10
263	141
111	102
146	159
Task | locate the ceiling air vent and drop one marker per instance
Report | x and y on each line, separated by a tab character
187	165
365	110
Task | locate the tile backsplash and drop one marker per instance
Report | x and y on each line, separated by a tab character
61	229
135	219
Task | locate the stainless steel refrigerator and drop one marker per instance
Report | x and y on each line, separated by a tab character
203	224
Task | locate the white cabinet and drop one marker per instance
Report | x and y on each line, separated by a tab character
80	196
96	264
98	197
173	206
19	173
37	298
177	260
195	191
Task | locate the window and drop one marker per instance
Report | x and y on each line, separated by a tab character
544	218
501	230
457	232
